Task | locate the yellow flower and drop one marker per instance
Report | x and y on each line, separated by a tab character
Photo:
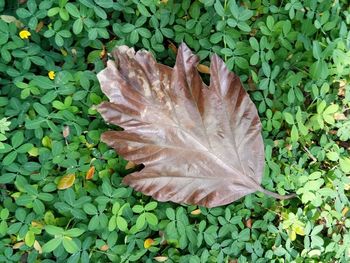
24	34
51	74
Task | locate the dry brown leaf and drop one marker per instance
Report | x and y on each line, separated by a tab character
66	131
172	46
339	116
248	223
342	88
200	145
105	247
90	173
39	26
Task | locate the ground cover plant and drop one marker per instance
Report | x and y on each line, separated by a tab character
61	194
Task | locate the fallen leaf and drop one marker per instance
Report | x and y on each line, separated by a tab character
339	116
18	245
66	131
161	258
103	53
248	223
148	243
130	165
105	247
345	211
200	145
342	88
203	69
66	181
196	212
37	247
37	224
39	26
172	46
90	173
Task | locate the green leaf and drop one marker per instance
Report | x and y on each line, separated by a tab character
112	224
29	238
137	209
74	232
40	109
53	11
72	10
151	218
294	135
134	37
104	3
345	165
64	14
219	8
140	221
143	10
17	139
288	117
54	230
331	109
195	10
51	245
69	245
90	209
10	158
151	206
319	70
122	223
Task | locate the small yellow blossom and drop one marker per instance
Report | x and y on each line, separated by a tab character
24	34
51	74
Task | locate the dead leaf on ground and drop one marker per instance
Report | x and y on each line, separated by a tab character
18	245
39	26
130	165
342	88
90	173
339	116
203	69
200	145
65	131
161	258
104	247
196	212
38	247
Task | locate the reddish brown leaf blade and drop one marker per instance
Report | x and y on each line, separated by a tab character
199	145
90	173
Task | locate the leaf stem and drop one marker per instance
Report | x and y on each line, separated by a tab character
275	195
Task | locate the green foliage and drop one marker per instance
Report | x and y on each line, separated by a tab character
294	59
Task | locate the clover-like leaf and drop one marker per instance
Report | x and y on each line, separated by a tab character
200	145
